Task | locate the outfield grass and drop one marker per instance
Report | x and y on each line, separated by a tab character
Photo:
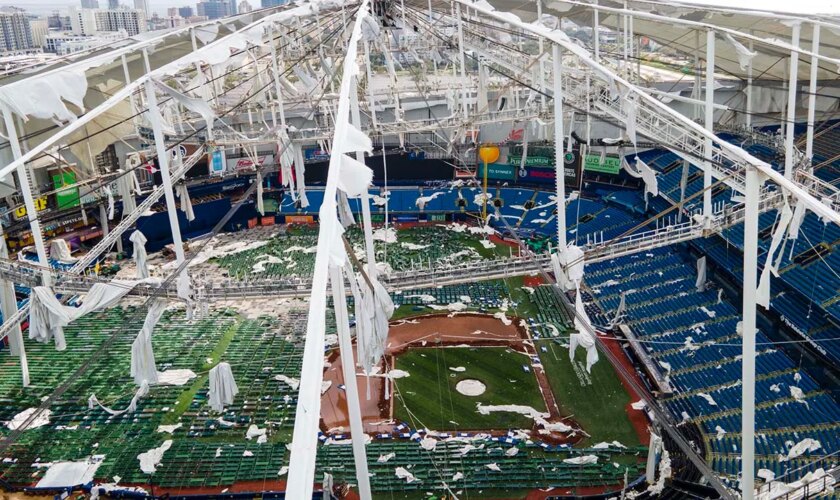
597	406
431	397
596	401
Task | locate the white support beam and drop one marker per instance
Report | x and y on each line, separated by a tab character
8	304
559	134
351	389
26	191
542	60
812	92
462	61
275	67
773	43
791	104
596	39
752	194
304	446
749	89
163	163
709	124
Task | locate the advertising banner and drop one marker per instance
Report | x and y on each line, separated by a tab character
611	165
246	164
498	171
299	219
216	160
539	168
68	197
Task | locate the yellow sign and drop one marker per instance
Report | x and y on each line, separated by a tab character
40	204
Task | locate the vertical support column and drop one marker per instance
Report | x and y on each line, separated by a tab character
791	104
482	103
356	120
462	60
275	66
127	77
749	331
812	91
624	31
103	217
558	147
163	163
749	89
28	199
710	124
8	303
542	61
695	92
596	39
348	368
683	183
371	100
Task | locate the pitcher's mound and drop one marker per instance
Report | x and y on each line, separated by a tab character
470	387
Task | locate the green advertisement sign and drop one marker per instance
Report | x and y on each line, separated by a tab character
66	198
499	171
611	164
531	161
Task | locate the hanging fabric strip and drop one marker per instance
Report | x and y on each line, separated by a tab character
345	214
143	368
300	176
125	186
621	310
193	104
138	239
583	338
186	204
745	55
110	196
763	292
700	283
260	203
630	108
223	387
141	392
354	177
796	222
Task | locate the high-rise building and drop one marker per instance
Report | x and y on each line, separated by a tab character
90	4
186	12
144	6
83	21
113	4
214	9
132	21
40	28
245	7
272	3
88	22
15	33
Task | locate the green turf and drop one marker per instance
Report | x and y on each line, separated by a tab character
430	395
596	401
602	411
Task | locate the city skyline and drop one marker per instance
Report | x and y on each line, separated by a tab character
46	7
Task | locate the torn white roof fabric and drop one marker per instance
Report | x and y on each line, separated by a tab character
143	367
222	387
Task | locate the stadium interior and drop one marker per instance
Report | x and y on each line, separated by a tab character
327	250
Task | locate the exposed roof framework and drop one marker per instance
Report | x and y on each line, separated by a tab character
198	84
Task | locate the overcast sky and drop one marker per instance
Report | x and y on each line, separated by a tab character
159	6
